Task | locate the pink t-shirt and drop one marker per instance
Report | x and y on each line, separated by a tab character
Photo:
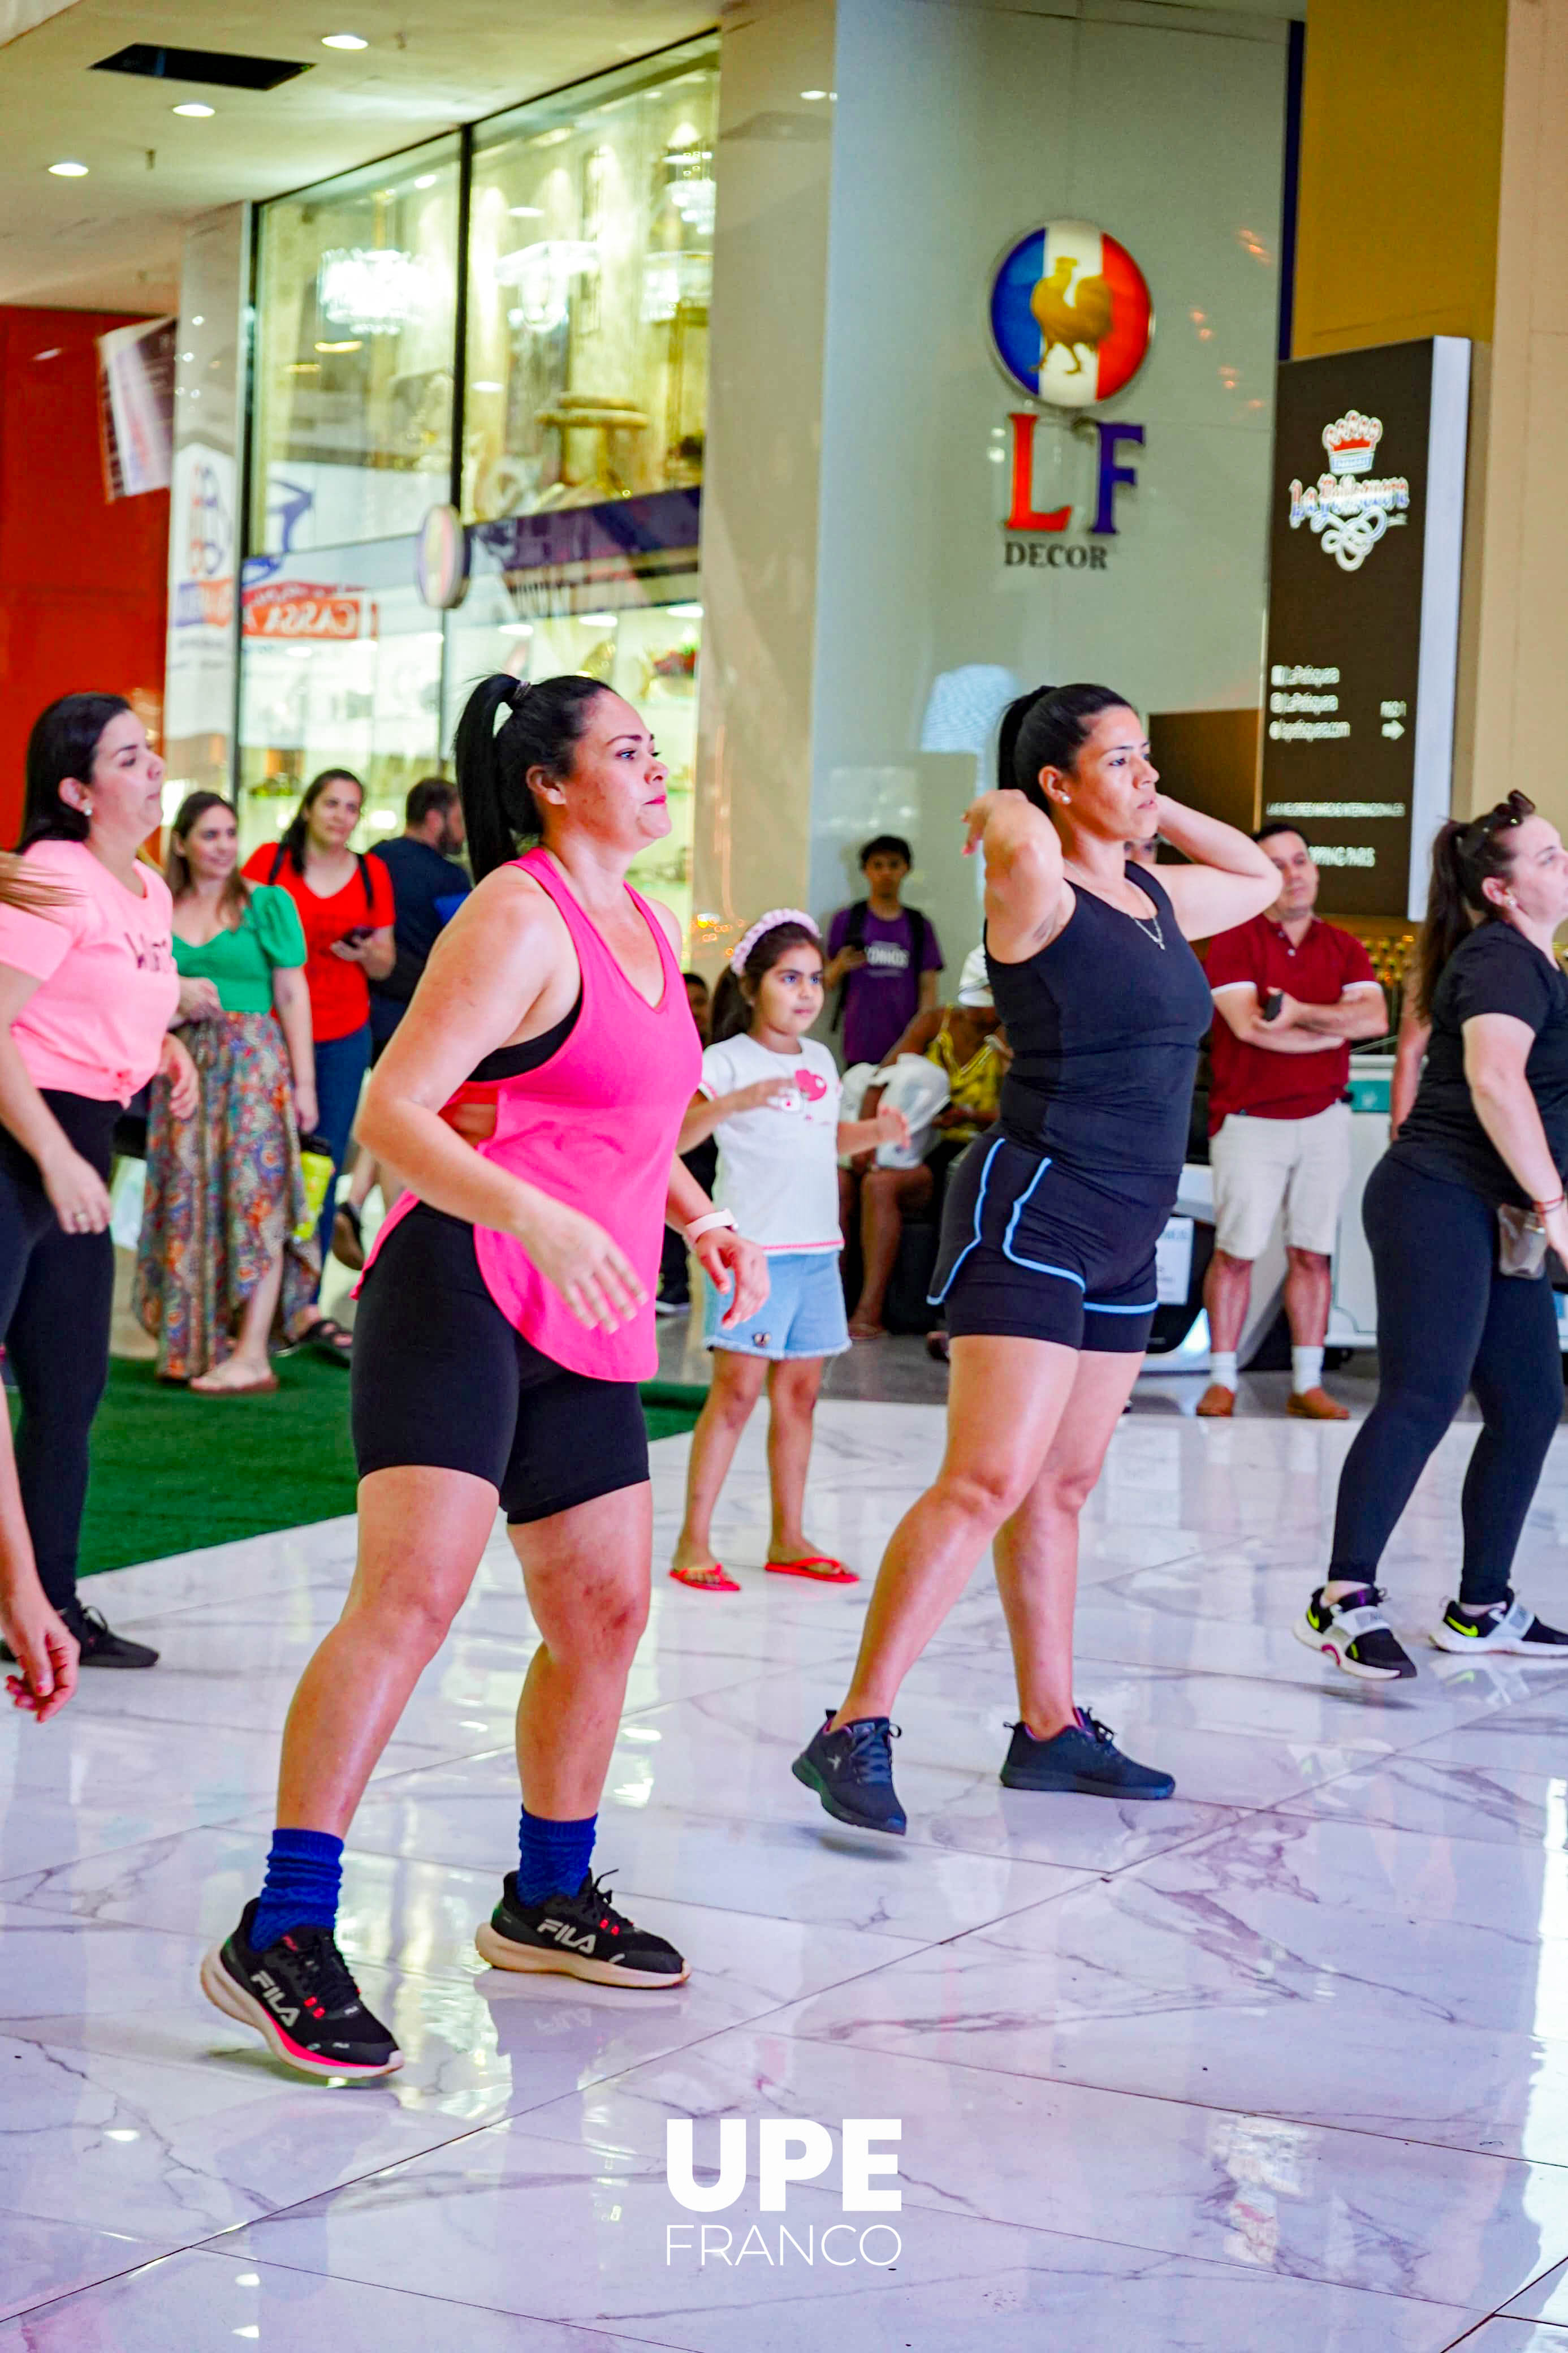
105	964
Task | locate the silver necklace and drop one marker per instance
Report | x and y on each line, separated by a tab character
1150	927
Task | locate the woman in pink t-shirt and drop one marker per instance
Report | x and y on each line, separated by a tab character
88	988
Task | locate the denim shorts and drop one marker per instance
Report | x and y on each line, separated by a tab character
803	1314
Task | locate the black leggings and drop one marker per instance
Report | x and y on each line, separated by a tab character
1448	1322
56	1295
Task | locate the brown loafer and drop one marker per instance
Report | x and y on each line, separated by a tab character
1314	1405
1217	1403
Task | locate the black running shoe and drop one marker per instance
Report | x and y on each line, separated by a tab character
1353	1633
1082	1757
852	1773
581	1936
100	1646
1506	1625
301	1999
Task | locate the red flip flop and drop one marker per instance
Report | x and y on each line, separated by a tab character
820	1566
716	1579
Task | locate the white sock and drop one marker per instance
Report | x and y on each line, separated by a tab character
1222	1366
1306	1370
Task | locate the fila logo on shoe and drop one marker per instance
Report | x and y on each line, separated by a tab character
273	1995
566	1935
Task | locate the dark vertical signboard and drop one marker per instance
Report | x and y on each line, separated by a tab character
1363	602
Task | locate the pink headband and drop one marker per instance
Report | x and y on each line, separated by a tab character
774	916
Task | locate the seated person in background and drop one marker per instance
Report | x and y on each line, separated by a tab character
883	957
965	1040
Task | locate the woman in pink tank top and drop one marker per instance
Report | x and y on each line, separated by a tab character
531	1097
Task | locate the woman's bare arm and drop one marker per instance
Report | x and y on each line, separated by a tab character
1229	880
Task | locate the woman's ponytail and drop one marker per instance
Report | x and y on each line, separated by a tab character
507	730
1464	856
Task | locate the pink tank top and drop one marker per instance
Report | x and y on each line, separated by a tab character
595	1126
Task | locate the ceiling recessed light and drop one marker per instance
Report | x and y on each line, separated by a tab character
195	109
814	94
526	212
426	179
343	41
68	171
351	344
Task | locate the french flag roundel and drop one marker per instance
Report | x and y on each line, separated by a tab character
1071	317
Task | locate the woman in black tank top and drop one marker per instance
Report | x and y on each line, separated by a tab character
1046	1263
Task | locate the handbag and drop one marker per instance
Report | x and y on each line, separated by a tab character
1521	1242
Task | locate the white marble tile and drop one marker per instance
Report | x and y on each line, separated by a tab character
204	2298
1546	2299
41	2259
1452	1800
1504	2336
787	1870
1295	2200
961	2284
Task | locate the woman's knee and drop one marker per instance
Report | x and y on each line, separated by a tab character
985	1492
412	1617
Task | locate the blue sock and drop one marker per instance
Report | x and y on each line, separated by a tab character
304	1873
552	1858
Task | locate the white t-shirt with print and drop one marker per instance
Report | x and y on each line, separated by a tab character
778	1167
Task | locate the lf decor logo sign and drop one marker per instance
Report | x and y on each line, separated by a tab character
789	2149
1349	508
1072	315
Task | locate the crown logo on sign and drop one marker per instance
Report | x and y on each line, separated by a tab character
1351	442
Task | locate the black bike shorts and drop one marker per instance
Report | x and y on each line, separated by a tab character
441	1380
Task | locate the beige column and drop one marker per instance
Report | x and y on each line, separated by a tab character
760	491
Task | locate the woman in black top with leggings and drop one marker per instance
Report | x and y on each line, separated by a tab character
1488	1135
1047	1264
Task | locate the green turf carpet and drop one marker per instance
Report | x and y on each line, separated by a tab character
171	1470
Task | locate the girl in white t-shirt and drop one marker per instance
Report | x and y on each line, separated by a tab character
771	1095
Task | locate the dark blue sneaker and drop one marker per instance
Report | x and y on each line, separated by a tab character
1081	1757
852	1773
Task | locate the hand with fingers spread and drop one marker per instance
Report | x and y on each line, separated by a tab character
738	1270
591	1271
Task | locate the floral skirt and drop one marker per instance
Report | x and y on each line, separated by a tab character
224	1191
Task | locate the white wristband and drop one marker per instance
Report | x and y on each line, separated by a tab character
708	1224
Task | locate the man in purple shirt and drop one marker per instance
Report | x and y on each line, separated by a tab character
885	956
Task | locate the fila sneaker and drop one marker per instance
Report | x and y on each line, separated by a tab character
580	1936
301	1999
1353	1633
1506	1625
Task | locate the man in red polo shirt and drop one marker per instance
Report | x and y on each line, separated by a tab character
1291	993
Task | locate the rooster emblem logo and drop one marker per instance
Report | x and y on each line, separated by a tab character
1071	317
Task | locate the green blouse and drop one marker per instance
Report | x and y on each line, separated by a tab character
240	963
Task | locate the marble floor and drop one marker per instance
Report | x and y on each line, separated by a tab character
1282	2063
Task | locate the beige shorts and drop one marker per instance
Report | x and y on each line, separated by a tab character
1261	1166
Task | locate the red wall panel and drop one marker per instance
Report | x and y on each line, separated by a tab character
83	581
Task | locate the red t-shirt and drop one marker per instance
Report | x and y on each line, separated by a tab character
339	993
1327	964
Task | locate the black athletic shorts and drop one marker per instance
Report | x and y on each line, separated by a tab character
442	1379
1031	1250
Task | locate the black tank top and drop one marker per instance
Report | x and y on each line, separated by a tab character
1105	1025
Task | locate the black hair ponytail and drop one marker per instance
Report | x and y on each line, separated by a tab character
1046	728
1464	856
493	754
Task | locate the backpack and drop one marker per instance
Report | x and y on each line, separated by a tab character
855	937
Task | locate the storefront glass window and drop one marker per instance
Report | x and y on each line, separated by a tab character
355	336
590	261
341	667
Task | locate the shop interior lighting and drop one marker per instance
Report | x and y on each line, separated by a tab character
426	179
685	612
811	96
68	171
551	138
542	275
343	41
486	383
526	212
349	343
195	109
516	628
370	289
597	620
